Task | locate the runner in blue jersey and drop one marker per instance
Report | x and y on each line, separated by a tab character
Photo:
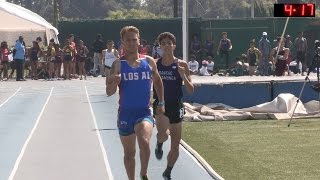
174	73
133	75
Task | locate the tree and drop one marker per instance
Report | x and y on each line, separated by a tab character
131	14
161	8
175	8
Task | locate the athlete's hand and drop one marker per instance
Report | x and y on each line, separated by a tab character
160	110
115	79
181	70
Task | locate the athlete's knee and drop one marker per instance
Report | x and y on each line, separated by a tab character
162	136
144	142
129	154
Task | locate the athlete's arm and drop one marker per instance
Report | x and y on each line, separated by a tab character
116	54
114	79
286	53
271	55
230	48
157	82
185	75
102	57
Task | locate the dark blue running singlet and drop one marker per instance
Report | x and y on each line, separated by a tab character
172	81
135	85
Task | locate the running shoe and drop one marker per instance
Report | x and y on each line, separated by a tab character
144	177
159	152
166	175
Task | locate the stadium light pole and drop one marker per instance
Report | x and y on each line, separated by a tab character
185	30
252	8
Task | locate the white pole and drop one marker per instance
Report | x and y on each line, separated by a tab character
185	29
252	8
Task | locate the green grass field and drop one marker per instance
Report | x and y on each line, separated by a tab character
257	150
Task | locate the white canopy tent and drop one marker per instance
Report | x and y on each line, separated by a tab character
16	21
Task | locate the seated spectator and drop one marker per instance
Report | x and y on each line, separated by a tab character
193	65
204	69
237	69
210	64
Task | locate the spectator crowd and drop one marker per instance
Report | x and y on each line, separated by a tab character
74	60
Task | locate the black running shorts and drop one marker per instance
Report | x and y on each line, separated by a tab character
173	110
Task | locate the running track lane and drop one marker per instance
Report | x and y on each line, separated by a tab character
18	116
65	145
105	110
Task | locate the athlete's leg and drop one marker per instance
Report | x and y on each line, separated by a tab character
162	123
143	132
107	74
175	133
129	149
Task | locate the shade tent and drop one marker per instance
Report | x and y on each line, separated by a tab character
16	21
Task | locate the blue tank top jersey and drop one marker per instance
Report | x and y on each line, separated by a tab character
172	82
135	85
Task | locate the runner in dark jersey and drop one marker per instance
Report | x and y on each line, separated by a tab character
174	72
133	75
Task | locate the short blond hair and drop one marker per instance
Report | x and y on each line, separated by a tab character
129	29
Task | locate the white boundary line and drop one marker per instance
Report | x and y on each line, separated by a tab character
16	165
104	153
10	97
191	152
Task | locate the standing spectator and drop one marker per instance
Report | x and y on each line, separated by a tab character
209	46
144	47
300	44
193	65
34	58
67	58
156	50
81	58
39	41
73	61
109	56
265	48
98	46
195	46
289	44
4	60
254	55
224	47
19	58
58	61
51	57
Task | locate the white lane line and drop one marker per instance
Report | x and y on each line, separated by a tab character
104	153
16	165
10	97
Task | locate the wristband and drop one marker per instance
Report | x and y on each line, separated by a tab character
160	103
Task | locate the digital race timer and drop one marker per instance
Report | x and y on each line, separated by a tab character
294	10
